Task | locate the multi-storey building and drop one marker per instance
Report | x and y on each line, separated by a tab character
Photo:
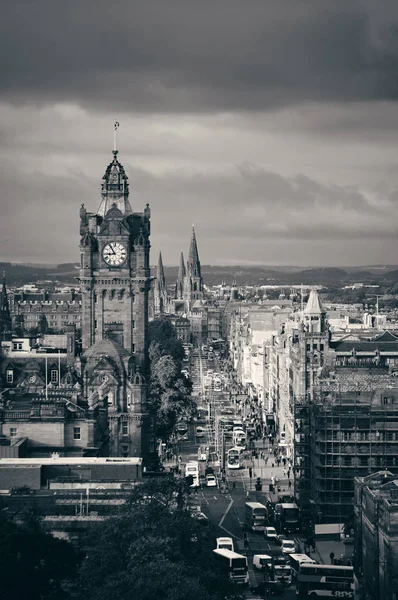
376	536
44	310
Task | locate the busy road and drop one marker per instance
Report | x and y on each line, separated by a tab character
224	503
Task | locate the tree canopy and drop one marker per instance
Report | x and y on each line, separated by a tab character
152	550
170	392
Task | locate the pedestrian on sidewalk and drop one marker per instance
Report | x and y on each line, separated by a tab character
290	484
331	558
233	485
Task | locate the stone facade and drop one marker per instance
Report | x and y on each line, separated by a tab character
45	310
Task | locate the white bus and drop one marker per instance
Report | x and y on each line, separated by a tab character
225	543
192	468
325	581
234	565
233	458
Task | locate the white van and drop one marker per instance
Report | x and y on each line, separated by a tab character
260	561
225	543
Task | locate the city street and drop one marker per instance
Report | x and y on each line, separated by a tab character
226	509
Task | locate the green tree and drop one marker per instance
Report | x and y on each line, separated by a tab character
170	392
152	551
162	332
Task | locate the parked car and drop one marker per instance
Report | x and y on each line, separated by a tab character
211	481
270	533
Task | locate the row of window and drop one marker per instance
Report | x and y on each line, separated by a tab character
53	376
76	432
315	347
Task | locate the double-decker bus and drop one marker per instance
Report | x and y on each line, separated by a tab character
324	581
233	458
296	560
256	516
192	468
233	565
287	516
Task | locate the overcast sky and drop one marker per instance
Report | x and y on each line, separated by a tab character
272	125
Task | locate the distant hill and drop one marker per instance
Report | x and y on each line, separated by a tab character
66	273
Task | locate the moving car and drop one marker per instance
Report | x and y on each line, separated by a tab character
288	547
209	471
211	481
270	533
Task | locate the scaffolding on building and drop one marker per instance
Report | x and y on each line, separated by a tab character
347	428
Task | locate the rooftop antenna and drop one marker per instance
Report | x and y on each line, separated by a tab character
116	126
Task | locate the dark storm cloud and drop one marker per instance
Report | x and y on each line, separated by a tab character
237	214
180	55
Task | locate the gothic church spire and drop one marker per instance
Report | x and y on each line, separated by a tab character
160	278
180	278
5	314
193	264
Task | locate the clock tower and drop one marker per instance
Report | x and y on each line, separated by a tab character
115	281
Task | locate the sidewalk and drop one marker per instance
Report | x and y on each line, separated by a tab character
325	547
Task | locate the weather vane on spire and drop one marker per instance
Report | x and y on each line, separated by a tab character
116	126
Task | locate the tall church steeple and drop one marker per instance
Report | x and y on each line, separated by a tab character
193	264
193	282
180	279
5	314
160	292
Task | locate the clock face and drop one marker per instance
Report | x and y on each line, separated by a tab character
114	254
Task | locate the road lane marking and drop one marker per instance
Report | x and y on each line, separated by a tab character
225	514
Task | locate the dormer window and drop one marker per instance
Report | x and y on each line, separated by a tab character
10	376
54	376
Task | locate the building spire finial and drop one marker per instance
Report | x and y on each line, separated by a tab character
116	126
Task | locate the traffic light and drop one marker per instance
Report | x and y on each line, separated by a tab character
250	472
